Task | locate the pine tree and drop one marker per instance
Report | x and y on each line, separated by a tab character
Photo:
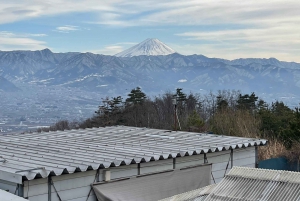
180	96
136	96
247	102
222	104
195	122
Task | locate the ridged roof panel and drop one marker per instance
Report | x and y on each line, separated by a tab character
243	183
85	149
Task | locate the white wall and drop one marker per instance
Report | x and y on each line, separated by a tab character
6	185
244	157
35	189
219	162
189	161
75	187
123	171
156	166
70	187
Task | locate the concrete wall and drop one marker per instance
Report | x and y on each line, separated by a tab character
123	171
182	162
70	187
244	157
156	166
75	187
6	185
219	162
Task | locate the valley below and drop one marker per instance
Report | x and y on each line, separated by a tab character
39	88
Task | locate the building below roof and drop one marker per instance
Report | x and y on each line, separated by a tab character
117	161
37	155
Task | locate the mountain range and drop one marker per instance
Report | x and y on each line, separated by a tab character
151	65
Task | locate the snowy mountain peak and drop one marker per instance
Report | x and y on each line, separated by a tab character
150	46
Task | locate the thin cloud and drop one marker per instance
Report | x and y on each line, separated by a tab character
191	12
126	43
108	50
6	34
236	28
14	9
155	12
113	49
11	41
38	35
268	42
67	28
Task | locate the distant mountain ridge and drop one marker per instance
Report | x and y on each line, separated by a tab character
7	86
111	75
150	46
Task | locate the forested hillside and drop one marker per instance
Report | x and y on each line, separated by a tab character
224	113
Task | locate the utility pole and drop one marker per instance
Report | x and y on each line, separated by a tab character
174	100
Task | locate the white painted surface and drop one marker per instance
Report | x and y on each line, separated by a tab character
123	171
6	196
189	161
106	175
244	157
75	187
70	187
219	162
6	185
156	166
35	187
11	177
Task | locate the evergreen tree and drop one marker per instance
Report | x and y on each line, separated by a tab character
247	102
136	96
290	132
195	122
116	103
277	122
222	104
180	96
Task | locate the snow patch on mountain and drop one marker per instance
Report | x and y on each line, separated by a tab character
150	46
83	79
182	80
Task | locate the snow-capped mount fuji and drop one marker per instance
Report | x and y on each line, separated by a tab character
150	46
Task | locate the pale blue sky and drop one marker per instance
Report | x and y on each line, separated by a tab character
224	29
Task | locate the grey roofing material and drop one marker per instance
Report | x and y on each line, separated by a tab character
243	183
89	149
194	195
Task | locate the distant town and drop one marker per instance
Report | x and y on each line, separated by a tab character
37	107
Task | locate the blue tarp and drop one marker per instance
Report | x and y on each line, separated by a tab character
278	164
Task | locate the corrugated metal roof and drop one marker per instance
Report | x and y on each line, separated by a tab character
243	183
194	195
86	149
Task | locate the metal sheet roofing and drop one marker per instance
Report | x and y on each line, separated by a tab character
35	155
243	183
194	195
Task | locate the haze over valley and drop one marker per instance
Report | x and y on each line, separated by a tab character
39	88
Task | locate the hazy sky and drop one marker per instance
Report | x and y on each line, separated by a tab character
224	29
